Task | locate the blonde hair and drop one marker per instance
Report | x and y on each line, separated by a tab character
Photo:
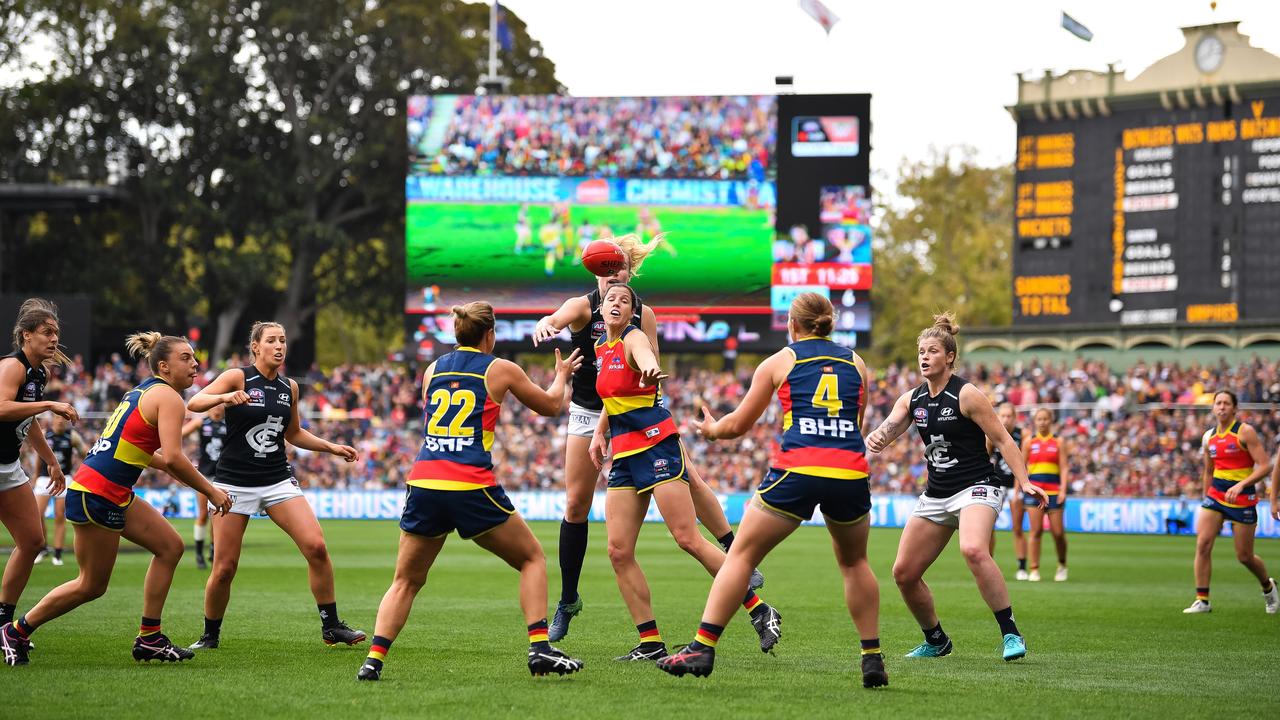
33	313
471	322
637	251
152	346
944	330
813	314
255	333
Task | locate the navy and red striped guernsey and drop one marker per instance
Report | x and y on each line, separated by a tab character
820	400
122	452
637	421
459	418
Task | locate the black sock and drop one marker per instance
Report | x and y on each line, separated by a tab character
573	551
935	636
212	627
6	612
57	553
328	614
1005	618
200	549
726	540
1022	563
871	646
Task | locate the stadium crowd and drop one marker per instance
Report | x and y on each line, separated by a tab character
1121	444
654	137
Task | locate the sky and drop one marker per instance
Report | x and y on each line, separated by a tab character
940	73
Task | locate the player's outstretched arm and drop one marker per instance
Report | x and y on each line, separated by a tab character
299	436
975	406
893	426
548	402
170	412
574	314
764	382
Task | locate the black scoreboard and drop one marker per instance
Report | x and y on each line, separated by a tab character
1149	216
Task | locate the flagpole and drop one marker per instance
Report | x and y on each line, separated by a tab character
493	39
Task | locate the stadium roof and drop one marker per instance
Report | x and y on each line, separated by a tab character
1175	80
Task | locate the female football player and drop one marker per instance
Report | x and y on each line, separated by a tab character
1234	463
648	462
1047	465
1008	415
22	380
954	420
101	503
67	447
820	462
262	414
582	316
452	485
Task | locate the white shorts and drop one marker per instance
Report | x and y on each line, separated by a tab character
42	488
12	476
583	421
254	500
946	511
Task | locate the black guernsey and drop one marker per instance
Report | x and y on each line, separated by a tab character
584	378
13	432
253	455
1004	473
955	447
213	436
61	445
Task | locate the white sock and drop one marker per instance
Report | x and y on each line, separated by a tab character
199	532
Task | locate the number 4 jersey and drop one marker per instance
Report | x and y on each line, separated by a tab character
820	400
459	420
254	452
955	447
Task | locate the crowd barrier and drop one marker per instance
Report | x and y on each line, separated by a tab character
1140	516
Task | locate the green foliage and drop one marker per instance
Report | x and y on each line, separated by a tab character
946	246
277	127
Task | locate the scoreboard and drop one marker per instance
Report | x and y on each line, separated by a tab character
1149	216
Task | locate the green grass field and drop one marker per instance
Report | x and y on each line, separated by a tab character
1111	642
722	254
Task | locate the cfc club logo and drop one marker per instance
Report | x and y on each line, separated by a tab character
262	437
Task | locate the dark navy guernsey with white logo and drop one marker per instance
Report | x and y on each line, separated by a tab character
13	432
955	447
584	378
62	447
213	435
1004	473
253	455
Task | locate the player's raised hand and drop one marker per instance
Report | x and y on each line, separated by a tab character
876	441
235	397
652	376
569	365
346	452
544	331
706	426
66	411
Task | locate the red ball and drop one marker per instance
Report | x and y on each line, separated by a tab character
604	258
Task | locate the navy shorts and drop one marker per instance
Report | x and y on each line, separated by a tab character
1055	502
795	495
1242	515
85	508
436	513
646	470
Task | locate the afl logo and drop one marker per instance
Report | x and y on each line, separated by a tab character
922	417
256	397
597	329
29	392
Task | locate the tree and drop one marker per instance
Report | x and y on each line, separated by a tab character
946	246
262	144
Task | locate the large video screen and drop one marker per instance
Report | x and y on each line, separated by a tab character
503	192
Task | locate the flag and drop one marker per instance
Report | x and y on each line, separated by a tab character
1074	27
821	13
503	32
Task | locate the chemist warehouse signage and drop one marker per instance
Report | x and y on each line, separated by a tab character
1135	516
